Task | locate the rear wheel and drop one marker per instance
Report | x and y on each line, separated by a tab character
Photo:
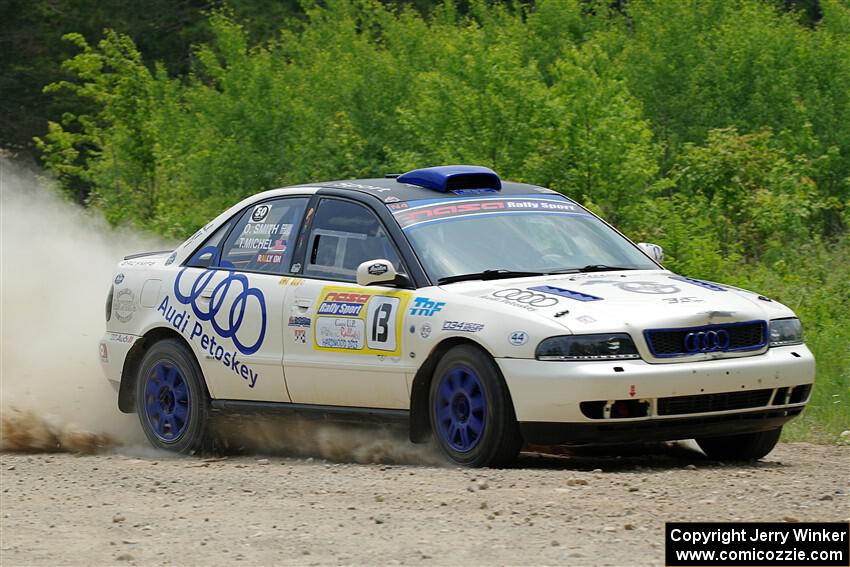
742	447
472	415
171	399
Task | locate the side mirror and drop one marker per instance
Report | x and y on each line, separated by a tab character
374	272
203	260
654	251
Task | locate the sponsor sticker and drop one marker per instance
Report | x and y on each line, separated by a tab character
473	191
462	326
425	330
359	322
340	333
301	336
419	212
124	305
568	293
378	269
352	185
650	288
138	263
235	311
424	307
299	321
673	300
260	213
122	338
343	303
523	298
269	258
518	338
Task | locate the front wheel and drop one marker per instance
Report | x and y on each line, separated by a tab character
171	398
744	447
472	415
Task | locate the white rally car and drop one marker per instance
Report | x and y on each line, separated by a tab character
482	313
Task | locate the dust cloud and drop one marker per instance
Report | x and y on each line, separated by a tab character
305	438
56	266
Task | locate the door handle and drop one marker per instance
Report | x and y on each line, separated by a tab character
303	303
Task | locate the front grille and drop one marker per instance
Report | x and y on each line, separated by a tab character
705	403
729	337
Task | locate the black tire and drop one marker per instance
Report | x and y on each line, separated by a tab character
496	440
171	398
744	447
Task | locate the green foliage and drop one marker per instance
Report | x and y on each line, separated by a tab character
699	66
32	50
718	129
814	281
736	197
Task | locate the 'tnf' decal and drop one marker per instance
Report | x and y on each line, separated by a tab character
424	307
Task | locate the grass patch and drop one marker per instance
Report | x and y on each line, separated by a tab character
814	281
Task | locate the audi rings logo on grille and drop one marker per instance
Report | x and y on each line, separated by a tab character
526	297
707	341
210	300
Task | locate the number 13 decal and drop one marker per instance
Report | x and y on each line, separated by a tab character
381	323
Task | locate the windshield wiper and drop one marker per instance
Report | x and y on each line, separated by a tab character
591	268
487	275
602	268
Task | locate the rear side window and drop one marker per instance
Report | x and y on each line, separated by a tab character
261	239
344	235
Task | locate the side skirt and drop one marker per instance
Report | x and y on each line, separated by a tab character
342	414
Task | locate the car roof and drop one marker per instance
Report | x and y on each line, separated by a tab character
390	190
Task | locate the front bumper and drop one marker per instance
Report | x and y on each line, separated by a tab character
682	400
549	433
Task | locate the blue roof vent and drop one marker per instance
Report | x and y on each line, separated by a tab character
451	177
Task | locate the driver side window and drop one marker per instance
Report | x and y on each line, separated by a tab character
344	235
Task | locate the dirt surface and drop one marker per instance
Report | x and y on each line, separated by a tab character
577	510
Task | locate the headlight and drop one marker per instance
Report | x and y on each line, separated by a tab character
612	346
786	332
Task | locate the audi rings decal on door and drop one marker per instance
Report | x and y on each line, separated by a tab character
707	341
526	297
246	299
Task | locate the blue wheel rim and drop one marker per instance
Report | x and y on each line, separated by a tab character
460	408
167	404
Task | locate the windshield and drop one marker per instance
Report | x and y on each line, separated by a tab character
533	233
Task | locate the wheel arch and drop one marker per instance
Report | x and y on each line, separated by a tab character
420	420
127	389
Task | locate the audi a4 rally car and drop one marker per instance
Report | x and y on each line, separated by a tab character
482	313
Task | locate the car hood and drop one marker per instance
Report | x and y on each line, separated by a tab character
623	300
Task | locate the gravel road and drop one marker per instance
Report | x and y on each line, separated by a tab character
577	510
